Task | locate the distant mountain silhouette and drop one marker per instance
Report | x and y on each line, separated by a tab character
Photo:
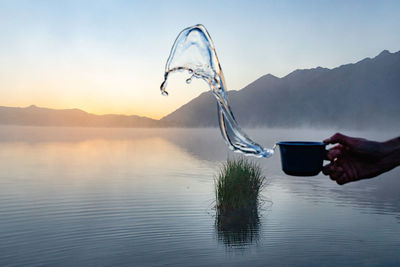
33	115
361	95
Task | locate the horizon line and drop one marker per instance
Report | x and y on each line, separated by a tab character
385	51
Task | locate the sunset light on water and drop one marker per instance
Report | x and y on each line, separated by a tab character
98	168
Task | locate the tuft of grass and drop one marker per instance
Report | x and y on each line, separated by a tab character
237	187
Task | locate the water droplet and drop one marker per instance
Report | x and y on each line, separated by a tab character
189	80
165	93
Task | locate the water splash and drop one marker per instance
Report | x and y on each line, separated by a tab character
194	52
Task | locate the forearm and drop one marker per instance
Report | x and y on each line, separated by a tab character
389	162
391	146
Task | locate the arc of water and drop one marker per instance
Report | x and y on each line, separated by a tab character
193	51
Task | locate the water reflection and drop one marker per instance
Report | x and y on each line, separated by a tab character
380	195
122	197
206	145
238	229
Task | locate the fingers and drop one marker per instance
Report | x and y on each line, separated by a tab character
339	173
334	171
332	153
350	171
327	169
343	179
340	177
343	166
339	138
335	152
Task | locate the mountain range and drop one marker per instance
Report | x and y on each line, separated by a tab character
361	95
38	116
365	94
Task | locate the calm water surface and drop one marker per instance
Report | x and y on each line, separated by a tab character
141	197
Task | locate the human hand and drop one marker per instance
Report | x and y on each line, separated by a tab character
354	159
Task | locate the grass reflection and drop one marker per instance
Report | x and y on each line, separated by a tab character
237	189
238	229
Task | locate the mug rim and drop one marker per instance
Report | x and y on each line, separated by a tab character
301	143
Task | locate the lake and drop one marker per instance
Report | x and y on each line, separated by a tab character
145	197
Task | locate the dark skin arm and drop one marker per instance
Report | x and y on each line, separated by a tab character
354	159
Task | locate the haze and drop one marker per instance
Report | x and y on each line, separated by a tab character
109	57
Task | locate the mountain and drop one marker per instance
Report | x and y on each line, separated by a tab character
361	95
34	115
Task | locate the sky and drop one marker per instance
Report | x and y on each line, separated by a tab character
109	56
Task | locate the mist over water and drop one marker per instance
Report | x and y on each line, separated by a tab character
194	52
100	197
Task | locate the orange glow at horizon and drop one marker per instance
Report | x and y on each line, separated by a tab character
146	103
142	111
109	58
97	88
